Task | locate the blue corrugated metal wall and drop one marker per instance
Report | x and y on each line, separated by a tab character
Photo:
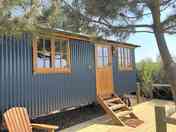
124	81
43	93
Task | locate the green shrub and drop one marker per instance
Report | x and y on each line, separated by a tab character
148	72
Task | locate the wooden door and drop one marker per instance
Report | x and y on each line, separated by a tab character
104	76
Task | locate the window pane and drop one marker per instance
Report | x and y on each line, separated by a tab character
58	46
48	53
64	46
64	60
128	57
99	50
105	51
102	57
58	60
58	53
119	57
105	61
100	61
124	58
44	53
61	53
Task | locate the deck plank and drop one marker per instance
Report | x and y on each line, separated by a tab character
145	111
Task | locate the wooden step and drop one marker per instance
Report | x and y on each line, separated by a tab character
123	113
106	97
112	100
117	106
111	104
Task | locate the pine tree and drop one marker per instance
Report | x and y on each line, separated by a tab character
28	15
121	18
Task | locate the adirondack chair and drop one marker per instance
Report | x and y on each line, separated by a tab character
17	120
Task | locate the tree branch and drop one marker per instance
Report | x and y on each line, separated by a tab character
170	32
140	31
130	17
169	27
126	28
169	19
107	24
166	2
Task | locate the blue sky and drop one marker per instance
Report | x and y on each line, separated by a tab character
147	41
149	47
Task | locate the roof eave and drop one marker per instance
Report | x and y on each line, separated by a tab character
86	37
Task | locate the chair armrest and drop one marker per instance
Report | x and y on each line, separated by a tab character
44	126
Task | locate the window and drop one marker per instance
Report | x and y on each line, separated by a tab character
103	56
125	61
51	55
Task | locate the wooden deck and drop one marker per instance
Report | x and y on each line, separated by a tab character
145	111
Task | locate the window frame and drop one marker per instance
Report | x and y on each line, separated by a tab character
124	54
52	69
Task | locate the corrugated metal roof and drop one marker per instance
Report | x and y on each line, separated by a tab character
89	37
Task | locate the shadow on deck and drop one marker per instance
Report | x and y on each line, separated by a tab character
145	111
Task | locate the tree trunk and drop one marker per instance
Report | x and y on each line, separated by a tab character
169	65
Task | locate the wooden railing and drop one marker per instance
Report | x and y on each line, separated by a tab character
161	118
160	85
138	92
155	85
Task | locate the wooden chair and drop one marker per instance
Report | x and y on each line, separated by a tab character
17	120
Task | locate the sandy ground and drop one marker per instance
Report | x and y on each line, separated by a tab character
145	111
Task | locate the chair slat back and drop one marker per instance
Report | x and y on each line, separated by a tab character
17	120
